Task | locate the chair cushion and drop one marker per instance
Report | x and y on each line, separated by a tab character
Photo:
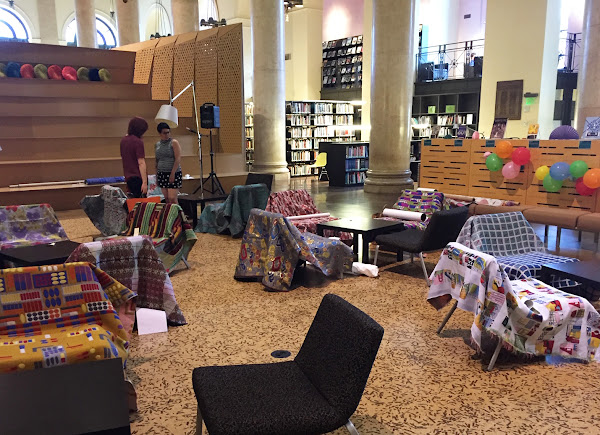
560	217
492	209
589	222
529	265
265	399
409	240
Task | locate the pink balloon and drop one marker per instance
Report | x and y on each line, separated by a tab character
582	189
475	135
521	156
486	154
511	170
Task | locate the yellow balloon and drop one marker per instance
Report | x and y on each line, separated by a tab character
541	172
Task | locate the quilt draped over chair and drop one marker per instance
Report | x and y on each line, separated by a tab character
232	215
60	314
420	202
172	236
511	239
27	225
107	211
272	247
133	262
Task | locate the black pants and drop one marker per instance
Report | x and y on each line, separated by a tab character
134	184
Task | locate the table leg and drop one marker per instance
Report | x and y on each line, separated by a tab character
365	249
320	231
545	275
355	244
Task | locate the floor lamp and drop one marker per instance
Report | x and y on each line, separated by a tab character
168	113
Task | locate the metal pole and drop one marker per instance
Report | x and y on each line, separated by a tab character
199	142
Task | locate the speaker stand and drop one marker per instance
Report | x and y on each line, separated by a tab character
215	184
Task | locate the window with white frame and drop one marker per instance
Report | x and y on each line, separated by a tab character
12	26
105	33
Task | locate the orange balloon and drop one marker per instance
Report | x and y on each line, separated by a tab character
504	149
592	178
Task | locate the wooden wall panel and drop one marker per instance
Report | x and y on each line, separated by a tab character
207	78
143	62
162	71
183	72
445	165
487	184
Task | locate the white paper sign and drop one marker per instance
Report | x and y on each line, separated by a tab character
150	321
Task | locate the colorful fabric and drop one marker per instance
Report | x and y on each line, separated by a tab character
61	314
133	261
172	236
508	237
299	203
420	202
107	211
232	215
27	225
529	316
495	202
153	189
271	248
105	180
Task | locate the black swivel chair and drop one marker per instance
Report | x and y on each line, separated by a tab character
443	228
266	179
315	393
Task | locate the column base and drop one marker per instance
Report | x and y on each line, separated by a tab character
279	174
388	182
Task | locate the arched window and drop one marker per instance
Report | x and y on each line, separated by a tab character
206	10
12	26
105	33
158	21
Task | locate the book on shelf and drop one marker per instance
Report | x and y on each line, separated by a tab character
462	131
498	128
450	108
357	151
355	177
532	131
435	131
430	109
469	119
591	129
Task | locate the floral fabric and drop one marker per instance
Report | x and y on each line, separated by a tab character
495	202
107	211
417	201
27	225
153	189
271	248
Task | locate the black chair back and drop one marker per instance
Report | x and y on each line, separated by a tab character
266	179
338	352
443	228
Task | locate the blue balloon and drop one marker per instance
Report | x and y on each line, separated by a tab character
560	171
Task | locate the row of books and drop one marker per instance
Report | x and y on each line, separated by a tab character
299	120
335	43
323	107
299	107
455	119
421	120
249	120
342	52
297	170
249	109
301	132
249	145
302	156
344	119
355	177
357	151
421	132
323	119
344	108
348	60
357	164
300	144
249	132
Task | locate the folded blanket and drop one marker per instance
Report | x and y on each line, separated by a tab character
105	180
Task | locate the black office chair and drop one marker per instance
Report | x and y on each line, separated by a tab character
315	393
254	178
444	227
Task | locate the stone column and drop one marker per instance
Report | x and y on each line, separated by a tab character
267	28
128	22
48	27
588	81
392	77
85	15
185	16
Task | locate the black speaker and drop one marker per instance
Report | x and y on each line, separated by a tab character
209	116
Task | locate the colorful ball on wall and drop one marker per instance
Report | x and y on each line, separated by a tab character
582	189
13	69
27	71
560	171
592	178
511	170
69	73
104	75
541	172
578	168
564	132
493	162
476	135
521	156
552	185
55	72
504	149
40	71
94	75
486	154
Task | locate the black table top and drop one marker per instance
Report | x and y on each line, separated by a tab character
362	225
588	270
206	197
36	255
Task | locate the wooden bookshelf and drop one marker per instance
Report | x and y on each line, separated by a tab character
347	162
249	134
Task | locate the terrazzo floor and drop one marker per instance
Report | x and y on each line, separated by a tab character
421	383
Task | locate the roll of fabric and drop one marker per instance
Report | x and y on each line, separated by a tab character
55	72
2	70
404	215
41	71
27	71
94	75
69	73
105	180
13	69
83	74
105	75
307	216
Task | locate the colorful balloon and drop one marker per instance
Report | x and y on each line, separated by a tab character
504	149
582	189
493	162
541	172
592	178
511	170
486	154
560	171
578	168
475	135
552	185
521	156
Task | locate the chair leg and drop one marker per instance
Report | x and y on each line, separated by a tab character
558	231
186	263
376	254
351	428
596	238
546	232
495	356
412	257
452	310
424	268
579	237
198	422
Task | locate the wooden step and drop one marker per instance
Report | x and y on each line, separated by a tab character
11	87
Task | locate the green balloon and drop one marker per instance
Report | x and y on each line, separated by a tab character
552	185
578	168
493	162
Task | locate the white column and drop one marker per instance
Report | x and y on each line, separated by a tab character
267	28
48	27
392	77
85	16
185	16
588	93
128	22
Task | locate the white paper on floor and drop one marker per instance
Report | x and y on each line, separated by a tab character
369	270
150	321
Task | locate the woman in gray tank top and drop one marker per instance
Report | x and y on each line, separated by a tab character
168	159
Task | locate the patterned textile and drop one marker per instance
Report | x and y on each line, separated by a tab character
453	203
105	180
61	314
495	202
232	215
153	189
27	225
172	236
133	261
528	315
417	201
298	203
508	236
107	211
271	248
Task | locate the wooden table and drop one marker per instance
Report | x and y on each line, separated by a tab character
368	228
585	272
189	203
39	255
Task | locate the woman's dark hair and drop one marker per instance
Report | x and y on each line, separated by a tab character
137	126
160	127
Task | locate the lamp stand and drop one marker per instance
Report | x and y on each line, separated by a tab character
215	184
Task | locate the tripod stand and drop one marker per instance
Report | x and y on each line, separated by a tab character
215	184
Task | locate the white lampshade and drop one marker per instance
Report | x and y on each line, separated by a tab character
168	114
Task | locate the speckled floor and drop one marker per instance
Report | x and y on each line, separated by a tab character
421	383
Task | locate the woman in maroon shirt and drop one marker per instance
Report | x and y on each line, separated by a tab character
134	157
